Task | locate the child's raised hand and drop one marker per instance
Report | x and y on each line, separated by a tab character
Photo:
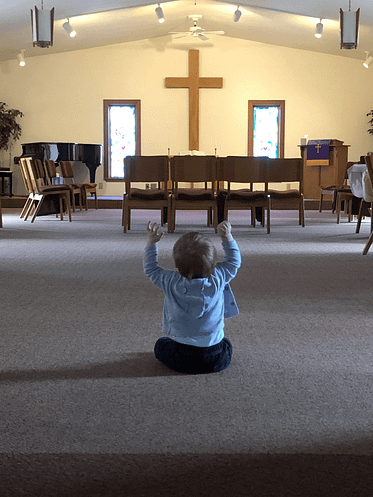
224	231
153	233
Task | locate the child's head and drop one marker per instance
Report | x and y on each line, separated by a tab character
194	255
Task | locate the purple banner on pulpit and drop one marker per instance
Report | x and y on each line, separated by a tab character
318	152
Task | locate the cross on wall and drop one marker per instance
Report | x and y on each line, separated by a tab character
193	82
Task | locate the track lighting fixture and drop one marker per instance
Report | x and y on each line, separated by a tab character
21	58
368	60
42	27
159	13
237	14
349	28
319	29
67	27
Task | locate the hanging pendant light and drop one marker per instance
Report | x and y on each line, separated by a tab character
349	28
42	27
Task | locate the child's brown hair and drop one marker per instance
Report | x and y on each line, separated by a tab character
194	255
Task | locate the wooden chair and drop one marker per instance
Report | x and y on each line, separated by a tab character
75	190
194	169
247	171
146	169
369	197
41	191
333	190
285	171
67	174
28	205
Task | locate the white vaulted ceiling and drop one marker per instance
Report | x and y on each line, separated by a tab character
289	23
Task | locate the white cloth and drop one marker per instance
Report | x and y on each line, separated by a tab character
355	178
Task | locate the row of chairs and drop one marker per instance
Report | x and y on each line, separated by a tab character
220	177
39	182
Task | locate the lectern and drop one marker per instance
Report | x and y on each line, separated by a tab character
315	177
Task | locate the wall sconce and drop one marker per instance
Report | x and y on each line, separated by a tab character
349	28
368	60
42	27
159	13
67	27
21	58
319	29
237	14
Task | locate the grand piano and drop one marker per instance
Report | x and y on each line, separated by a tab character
87	153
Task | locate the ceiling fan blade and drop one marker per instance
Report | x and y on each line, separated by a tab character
202	36
181	36
214	32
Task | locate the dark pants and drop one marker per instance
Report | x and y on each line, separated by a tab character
193	360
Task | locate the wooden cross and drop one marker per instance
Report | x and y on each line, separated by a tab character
193	82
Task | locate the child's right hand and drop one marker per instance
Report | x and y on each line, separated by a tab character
153	233
224	231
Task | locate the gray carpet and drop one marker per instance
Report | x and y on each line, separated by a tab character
85	408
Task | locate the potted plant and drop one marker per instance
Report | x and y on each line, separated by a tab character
10	130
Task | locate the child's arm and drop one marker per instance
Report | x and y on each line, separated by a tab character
157	274
232	260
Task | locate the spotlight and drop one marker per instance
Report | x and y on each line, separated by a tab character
349	28
368	60
159	13
237	14
67	27
319	29
21	58
42	27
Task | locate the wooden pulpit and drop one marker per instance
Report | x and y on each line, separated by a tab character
315	177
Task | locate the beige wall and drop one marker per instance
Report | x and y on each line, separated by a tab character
62	95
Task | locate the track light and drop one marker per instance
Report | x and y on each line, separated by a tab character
42	27
237	14
349	28
159	13
21	58
319	29
368	60
67	27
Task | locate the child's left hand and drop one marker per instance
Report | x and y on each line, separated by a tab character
154	234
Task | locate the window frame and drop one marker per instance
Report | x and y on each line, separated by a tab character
281	127
121	103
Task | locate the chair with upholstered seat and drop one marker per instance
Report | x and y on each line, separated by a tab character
243	171
333	190
194	169
75	190
67	174
146	169
289	170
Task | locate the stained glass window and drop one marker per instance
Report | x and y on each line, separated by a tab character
266	128
266	121
122	135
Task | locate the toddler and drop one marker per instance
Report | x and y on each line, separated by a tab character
197	298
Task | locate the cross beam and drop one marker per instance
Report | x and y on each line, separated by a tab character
193	82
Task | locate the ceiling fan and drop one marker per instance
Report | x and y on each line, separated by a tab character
196	30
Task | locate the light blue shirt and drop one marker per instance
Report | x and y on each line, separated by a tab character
193	311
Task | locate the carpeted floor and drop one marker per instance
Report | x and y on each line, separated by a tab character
86	410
